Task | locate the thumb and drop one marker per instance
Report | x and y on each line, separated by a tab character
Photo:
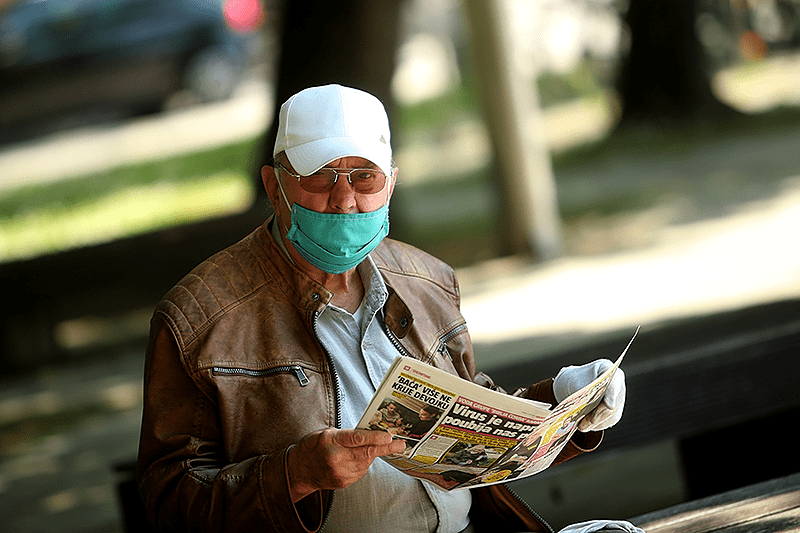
615	392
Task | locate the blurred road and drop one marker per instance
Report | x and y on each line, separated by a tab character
722	236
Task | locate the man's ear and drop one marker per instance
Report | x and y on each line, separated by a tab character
270	181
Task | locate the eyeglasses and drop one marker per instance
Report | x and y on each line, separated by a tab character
363	180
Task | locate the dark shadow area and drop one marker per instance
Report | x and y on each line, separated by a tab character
101	281
722	387
133	511
743	454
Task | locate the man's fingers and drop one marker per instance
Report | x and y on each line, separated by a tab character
615	393
354	438
573	378
369	444
396	446
336	458
603	416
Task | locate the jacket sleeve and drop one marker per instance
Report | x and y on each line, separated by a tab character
580	442
184	478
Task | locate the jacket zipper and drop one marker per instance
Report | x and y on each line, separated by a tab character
337	388
449	335
337	392
530	510
297	370
395	341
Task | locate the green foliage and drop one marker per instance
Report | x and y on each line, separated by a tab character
125	201
558	88
68	193
432	115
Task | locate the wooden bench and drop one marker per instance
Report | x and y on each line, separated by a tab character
768	507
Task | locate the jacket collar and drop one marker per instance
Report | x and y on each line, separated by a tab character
295	284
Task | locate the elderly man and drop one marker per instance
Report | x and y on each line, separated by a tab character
265	355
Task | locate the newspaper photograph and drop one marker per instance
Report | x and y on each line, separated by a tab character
461	435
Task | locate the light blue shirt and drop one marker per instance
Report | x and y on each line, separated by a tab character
384	499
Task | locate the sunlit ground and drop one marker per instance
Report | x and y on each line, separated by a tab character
60	160
694	269
759	86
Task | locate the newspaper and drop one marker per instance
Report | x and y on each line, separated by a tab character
461	435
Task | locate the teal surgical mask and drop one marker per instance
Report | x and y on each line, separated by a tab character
336	242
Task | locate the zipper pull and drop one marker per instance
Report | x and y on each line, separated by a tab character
449	335
443	350
301	376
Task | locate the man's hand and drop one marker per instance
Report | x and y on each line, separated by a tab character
573	378
335	458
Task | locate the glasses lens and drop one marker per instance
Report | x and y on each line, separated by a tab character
364	180
320	181
367	181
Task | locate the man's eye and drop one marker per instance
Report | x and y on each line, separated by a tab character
364	175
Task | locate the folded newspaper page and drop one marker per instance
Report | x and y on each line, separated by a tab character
461	435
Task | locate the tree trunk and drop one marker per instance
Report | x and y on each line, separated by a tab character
532	225
665	76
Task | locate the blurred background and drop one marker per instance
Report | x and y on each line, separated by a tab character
588	166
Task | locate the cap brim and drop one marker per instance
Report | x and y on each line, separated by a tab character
310	157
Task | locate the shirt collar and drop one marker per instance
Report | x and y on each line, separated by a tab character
375	291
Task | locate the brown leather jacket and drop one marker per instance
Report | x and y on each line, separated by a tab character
235	375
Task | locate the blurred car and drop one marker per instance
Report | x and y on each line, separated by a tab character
61	56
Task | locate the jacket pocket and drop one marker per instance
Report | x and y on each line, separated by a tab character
265	409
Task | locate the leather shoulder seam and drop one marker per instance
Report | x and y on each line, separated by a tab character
394	257
197	331
448	289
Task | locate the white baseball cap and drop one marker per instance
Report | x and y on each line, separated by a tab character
321	124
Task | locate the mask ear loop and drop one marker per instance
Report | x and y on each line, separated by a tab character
389	184
286	201
276	229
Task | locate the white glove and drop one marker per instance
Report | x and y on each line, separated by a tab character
570	379
602	525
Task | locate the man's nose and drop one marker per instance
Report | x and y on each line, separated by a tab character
342	196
